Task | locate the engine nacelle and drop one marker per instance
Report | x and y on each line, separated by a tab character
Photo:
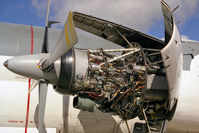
73	64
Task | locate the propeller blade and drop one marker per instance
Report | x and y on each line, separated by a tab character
36	117
47	13
33	84
67	40
52	22
43	88
45	40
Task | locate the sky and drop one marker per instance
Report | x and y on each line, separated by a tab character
142	15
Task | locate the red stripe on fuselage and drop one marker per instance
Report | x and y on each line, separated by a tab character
29	83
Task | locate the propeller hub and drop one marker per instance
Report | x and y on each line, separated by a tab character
28	66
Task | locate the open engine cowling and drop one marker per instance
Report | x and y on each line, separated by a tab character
113	80
140	80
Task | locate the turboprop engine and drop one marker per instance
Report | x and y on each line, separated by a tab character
141	79
112	80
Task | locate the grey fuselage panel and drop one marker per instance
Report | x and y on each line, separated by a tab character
15	39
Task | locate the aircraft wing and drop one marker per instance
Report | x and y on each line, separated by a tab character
114	32
15	39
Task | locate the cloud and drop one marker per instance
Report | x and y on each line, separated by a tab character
137	14
40	6
186	38
131	13
186	10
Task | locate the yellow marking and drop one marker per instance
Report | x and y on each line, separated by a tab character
66	35
71	26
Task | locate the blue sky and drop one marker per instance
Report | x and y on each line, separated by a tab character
32	12
20	12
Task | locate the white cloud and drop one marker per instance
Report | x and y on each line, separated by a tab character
40	6
186	38
138	14
132	13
